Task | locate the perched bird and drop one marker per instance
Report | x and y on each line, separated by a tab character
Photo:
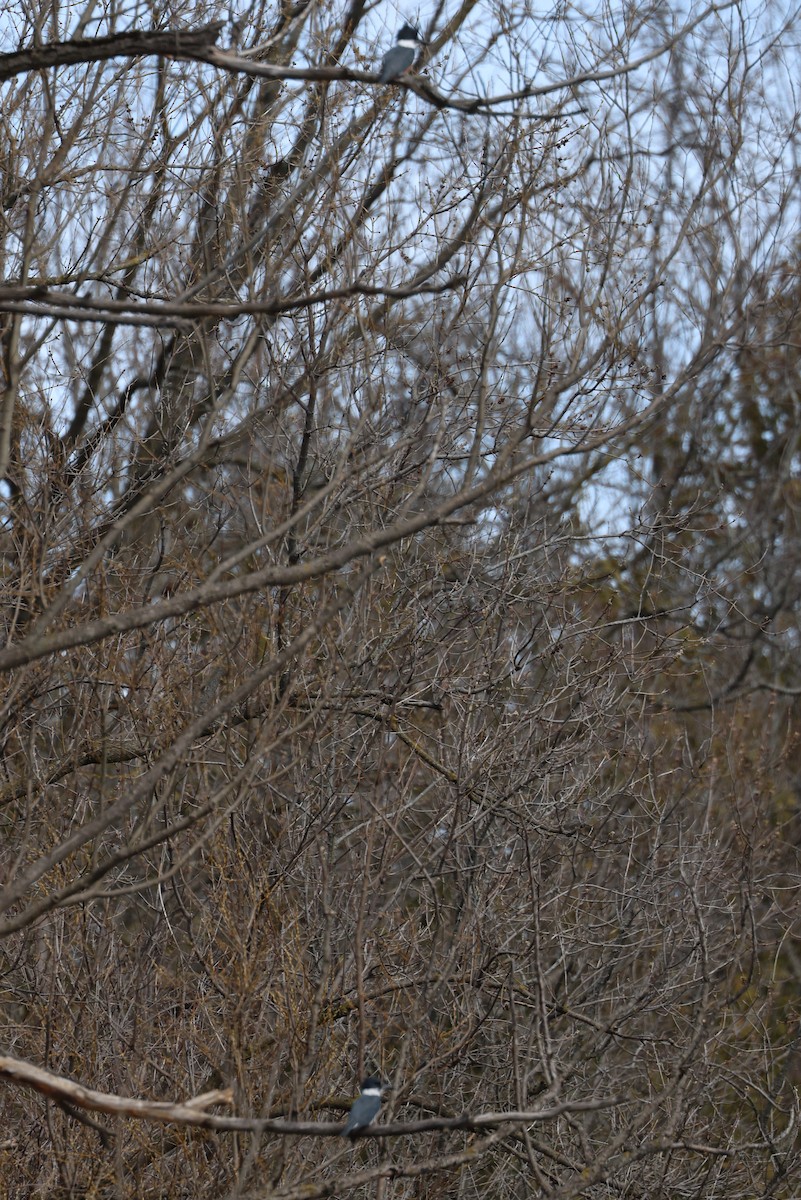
364	1108
401	56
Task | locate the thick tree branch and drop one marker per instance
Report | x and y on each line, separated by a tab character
177	43
36	301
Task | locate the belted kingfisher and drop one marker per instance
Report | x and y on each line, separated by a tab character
364	1108
401	56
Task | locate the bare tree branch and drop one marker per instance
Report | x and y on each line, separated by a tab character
44	302
177	43
192	1112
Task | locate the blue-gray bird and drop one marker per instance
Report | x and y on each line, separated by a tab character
364	1108
401	56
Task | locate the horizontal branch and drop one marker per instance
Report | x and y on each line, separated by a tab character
56	312
193	1112
176	43
199	45
36	300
